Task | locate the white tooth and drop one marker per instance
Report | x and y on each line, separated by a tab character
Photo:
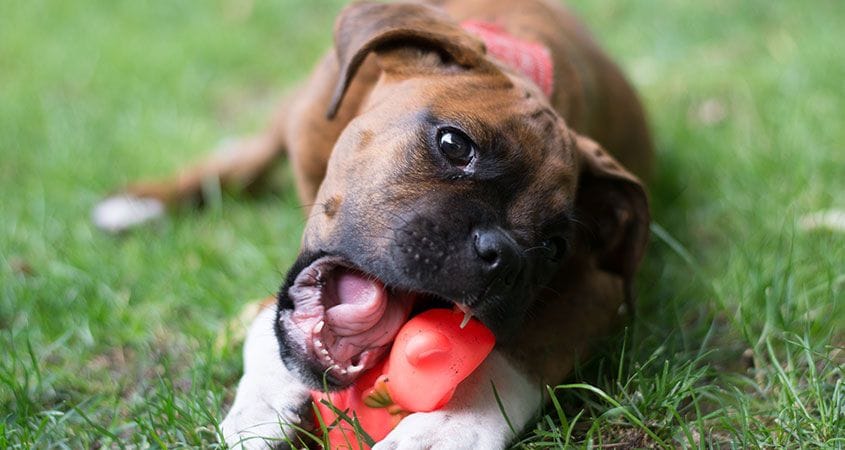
319	327
343	371
467	316
318	343
324	352
354	369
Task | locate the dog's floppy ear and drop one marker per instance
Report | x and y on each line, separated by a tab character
364	27
612	204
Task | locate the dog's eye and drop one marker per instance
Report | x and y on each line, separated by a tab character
555	248
456	146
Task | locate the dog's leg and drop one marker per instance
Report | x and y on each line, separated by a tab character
270	400
237	165
473	418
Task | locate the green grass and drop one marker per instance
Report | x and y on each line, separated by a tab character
739	338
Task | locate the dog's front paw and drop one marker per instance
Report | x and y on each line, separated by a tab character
444	430
475	418
270	402
261	426
257	424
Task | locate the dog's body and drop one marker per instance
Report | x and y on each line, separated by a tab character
440	175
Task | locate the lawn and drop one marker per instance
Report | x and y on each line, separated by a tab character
739	338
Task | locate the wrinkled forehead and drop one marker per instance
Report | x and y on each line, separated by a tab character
474	93
501	112
500	107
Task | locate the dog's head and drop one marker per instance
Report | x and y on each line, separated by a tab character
456	183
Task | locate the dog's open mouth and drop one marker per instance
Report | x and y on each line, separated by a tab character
344	320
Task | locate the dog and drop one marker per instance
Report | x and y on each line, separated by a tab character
449	153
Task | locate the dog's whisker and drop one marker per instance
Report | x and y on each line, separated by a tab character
551	289
531	249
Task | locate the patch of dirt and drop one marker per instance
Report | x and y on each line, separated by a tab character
21	267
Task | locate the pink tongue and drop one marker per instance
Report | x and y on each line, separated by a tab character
362	303
364	318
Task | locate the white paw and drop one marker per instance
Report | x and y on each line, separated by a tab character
121	212
473	418
259	425
442	430
269	402
833	220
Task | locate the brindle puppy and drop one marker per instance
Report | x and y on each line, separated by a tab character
439	176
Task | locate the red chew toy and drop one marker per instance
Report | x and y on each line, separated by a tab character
430	351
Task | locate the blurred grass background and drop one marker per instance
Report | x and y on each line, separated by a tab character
111	341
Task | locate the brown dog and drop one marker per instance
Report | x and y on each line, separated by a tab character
440	174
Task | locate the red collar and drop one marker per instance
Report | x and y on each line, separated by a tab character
532	59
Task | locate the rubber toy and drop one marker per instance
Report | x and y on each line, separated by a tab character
431	355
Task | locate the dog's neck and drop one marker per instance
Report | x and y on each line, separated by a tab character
529	58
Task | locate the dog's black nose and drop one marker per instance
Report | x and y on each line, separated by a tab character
498	252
